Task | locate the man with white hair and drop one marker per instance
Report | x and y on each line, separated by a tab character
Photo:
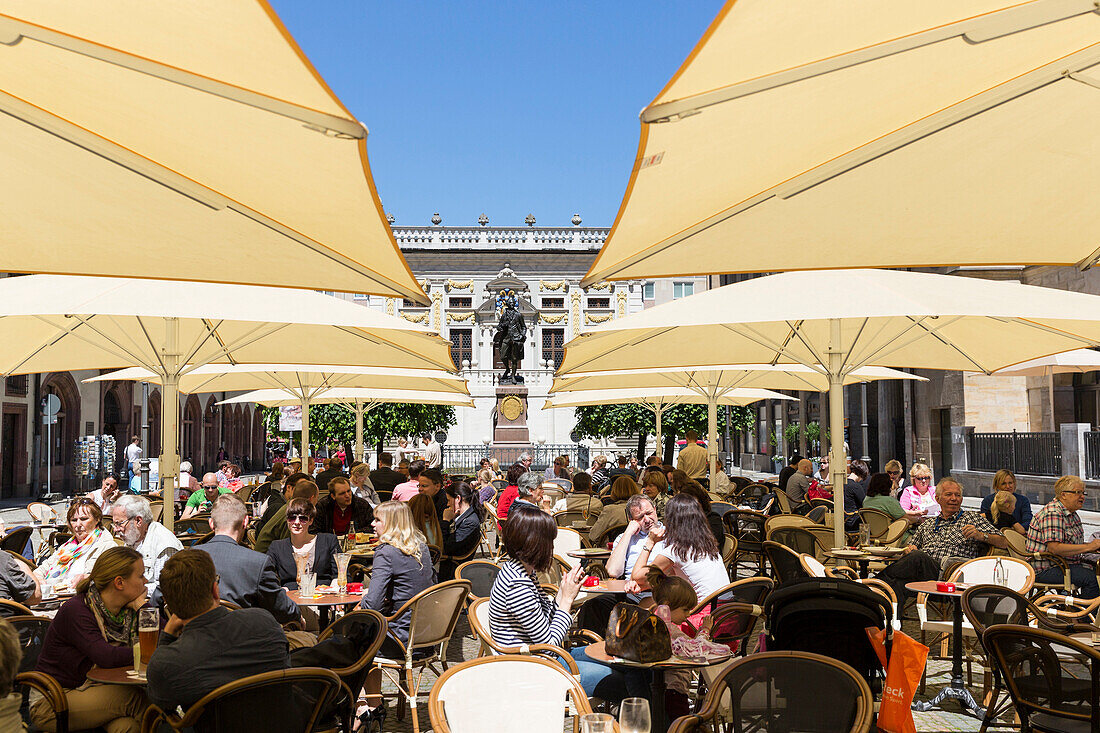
132	522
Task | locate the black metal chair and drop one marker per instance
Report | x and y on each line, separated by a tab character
1053	680
747	527
481	574
785	691
785	562
16	541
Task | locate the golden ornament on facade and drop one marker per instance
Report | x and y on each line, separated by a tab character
552	319
459	285
590	319
553	285
416	318
511	407
605	285
460	316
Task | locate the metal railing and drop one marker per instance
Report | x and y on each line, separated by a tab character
1092	455
467	458
1035	454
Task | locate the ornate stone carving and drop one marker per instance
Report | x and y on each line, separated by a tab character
460	316
553	285
590	319
437	310
621	298
575	310
605	285
416	317
552	319
458	285
391	306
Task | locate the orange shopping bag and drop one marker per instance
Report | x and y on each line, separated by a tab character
903	673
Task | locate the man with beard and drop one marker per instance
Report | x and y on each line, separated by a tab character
132	522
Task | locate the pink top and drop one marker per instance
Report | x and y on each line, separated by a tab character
912	500
406	491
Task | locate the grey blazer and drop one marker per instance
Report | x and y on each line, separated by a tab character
247	578
395	578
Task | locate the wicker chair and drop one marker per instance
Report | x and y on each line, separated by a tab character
747	527
296	698
480	574
368	628
785	562
32	637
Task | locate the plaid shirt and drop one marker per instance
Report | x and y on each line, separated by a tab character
1054	523
943	538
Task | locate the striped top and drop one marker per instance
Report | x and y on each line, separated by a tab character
520	613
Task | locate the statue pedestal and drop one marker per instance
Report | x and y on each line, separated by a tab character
510	424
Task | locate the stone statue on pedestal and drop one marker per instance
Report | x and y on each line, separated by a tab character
509	337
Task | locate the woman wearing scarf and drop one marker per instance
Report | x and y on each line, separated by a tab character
73	560
97	626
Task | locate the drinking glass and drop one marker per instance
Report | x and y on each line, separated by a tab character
300	563
308	585
864	535
342	560
597	723
148	632
634	715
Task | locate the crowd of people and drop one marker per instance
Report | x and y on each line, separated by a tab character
664	537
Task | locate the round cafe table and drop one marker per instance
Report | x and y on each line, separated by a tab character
956	689
590	553
325	602
598	652
863	557
117	676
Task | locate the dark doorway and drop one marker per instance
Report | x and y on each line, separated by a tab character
941	449
10	431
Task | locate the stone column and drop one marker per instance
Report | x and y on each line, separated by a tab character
960	447
1074	457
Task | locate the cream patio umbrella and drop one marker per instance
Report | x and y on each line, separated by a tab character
659	399
182	141
359	401
808	134
1077	361
58	322
716	380
839	321
301	379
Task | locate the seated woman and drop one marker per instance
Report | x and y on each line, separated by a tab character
97	627
855	491
714	519
73	560
521	613
655	486
511	491
402	568
485	489
880	496
425	519
919	498
461	527
1006	508
315	552
614	513
684	546
362	486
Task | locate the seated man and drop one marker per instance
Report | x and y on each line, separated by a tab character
132	522
954	535
201	500
17	583
246	577
384	478
1057	529
581	499
529	490
798	484
409	489
205	645
276	527
341	508
594	614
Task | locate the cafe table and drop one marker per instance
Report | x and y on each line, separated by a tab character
864	556
598	652
956	689
117	676
590	553
325	602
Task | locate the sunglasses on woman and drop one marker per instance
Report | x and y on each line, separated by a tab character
297	517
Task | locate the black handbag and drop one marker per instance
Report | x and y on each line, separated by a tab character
635	634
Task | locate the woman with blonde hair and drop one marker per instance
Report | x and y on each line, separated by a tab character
1005	508
362	486
919	499
402	568
74	559
484	485
97	627
893	469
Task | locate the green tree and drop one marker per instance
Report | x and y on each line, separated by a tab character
336	424
608	421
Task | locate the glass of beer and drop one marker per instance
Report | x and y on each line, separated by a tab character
342	560
148	633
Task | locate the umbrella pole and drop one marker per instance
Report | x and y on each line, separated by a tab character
1050	388
169	421
712	435
359	455
838	465
660	436
305	435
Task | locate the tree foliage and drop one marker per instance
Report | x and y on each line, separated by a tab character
336	423
608	421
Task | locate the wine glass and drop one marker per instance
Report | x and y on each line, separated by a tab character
634	715
597	723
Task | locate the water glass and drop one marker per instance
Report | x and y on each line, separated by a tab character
634	715
597	723
864	535
342	560
308	586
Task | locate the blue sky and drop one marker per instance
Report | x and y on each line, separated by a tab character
502	108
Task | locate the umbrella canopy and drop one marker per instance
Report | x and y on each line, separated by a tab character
839	321
658	398
57	323
1077	361
804	135
359	401
150	139
297	377
729	376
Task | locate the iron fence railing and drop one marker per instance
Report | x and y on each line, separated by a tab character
467	458
1092	455
1035	454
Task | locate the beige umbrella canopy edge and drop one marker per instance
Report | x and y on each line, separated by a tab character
230	141
931	126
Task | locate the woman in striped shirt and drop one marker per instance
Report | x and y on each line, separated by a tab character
520	613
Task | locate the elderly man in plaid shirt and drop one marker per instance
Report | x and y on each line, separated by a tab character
1057	529
939	541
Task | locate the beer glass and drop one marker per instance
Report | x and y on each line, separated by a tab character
342	560
148	633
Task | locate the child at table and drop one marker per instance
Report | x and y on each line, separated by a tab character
676	599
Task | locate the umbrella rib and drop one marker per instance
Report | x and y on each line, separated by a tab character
848	351
892	345
313	119
981	28
630	342
796	331
360	333
149	339
53	339
1049	329
118	350
248	338
876	338
934	333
